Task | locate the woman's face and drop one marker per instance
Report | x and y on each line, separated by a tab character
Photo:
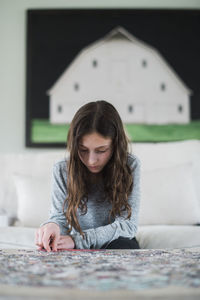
95	151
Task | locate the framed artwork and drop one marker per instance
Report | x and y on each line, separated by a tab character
145	62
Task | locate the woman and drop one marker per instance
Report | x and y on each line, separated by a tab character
96	193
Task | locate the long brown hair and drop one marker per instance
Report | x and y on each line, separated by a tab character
100	117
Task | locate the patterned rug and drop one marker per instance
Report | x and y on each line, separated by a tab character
102	270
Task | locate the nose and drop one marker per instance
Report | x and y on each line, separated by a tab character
92	159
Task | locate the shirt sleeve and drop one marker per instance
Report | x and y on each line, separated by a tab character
97	237
59	193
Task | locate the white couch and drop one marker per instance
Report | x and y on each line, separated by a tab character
170	194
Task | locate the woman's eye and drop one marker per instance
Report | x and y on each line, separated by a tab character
101	151
97	151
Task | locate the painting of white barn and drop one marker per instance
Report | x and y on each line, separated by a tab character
128	73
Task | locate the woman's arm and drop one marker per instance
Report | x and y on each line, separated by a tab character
59	193
48	236
97	237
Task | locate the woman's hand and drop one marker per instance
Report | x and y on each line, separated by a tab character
65	242
47	237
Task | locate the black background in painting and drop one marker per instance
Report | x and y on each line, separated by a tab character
55	37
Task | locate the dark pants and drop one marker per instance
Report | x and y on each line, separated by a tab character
122	243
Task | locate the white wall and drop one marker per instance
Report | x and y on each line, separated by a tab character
12	57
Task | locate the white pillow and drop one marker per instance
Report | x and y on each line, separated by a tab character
168	196
33	199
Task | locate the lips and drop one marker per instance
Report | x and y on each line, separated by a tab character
93	168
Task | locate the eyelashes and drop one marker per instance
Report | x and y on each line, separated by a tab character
85	151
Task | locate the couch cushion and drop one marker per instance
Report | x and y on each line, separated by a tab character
17	238
168	196
168	236
149	237
160	155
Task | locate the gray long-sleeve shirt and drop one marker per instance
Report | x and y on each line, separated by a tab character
95	223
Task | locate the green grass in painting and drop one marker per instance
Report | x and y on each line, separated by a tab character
44	132
163	133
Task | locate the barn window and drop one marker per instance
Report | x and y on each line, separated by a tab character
144	63
76	86
180	108
59	109
94	63
163	86
130	109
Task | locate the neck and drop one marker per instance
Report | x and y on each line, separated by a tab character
95	178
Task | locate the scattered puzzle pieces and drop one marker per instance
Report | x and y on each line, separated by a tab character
101	269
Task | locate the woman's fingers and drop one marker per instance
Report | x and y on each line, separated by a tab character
65	242
47	237
40	248
61	241
42	239
54	243
38	237
46	241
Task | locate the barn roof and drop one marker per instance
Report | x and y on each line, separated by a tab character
121	33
